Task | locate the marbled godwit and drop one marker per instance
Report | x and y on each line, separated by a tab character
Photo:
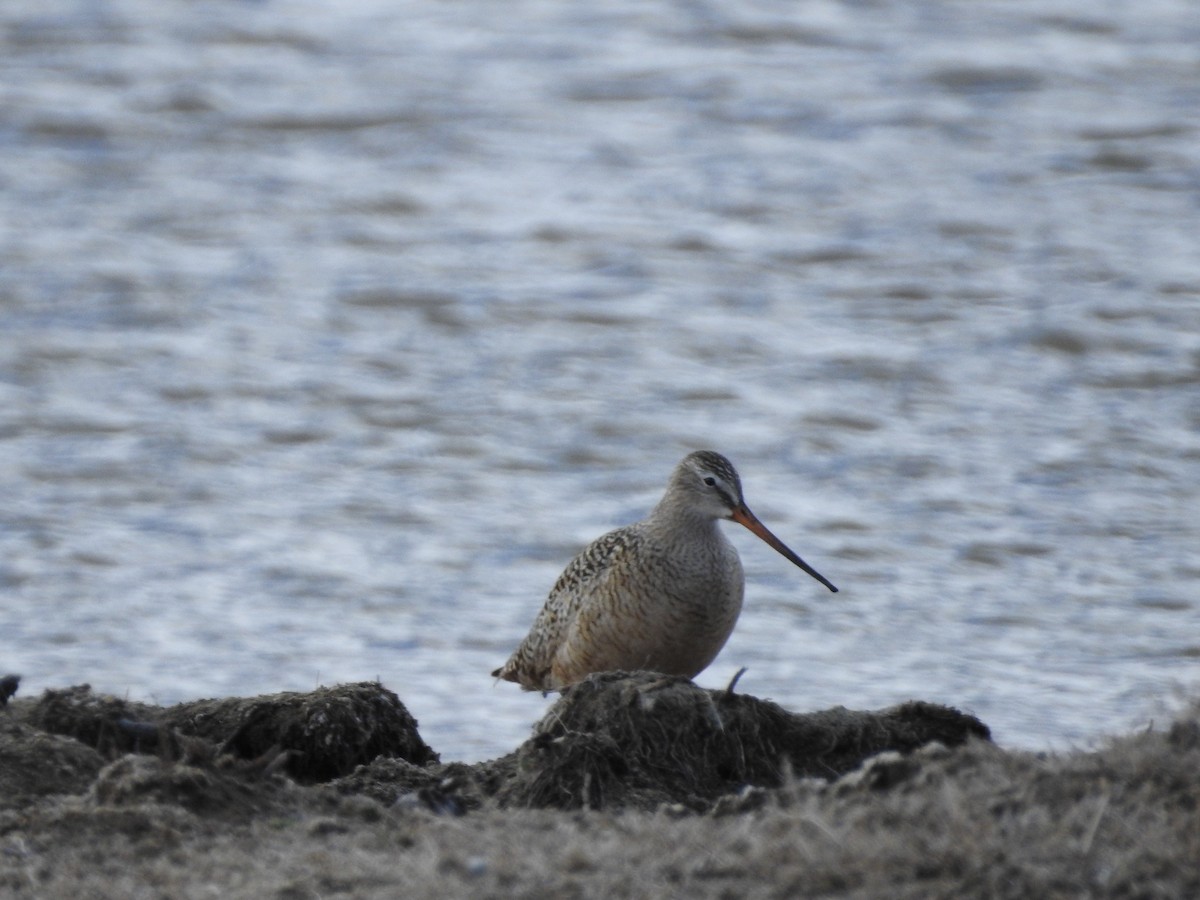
662	594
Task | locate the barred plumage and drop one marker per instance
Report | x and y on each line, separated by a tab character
662	594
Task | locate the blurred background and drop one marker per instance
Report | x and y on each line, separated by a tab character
330	331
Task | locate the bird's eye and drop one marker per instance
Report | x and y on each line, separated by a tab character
710	481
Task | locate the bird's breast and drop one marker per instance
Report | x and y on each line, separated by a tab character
696	592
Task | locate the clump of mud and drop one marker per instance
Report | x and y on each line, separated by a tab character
327	732
316	736
35	764
642	740
101	721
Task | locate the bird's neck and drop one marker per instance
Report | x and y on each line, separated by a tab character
679	522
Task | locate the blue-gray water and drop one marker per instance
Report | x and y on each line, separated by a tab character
330	331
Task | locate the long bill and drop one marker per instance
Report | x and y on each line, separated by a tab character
742	515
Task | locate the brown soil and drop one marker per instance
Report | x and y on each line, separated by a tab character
633	784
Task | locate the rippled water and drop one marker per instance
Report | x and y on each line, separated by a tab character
331	331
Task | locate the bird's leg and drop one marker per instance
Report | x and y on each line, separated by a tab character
733	682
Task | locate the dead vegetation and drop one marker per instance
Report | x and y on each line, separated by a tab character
615	741
632	785
641	740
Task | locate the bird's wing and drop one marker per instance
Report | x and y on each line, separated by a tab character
583	579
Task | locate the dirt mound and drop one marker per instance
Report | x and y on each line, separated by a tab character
98	720
640	740
325	733
35	764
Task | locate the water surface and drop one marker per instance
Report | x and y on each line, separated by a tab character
329	332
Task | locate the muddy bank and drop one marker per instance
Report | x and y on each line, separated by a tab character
616	741
632	784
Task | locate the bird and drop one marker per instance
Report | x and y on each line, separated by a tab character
662	594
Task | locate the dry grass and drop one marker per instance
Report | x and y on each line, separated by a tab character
974	821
